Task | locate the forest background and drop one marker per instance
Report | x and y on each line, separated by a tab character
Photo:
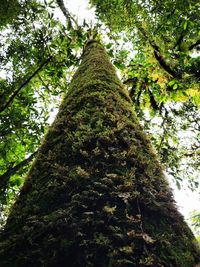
154	46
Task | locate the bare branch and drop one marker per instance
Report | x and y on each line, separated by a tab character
66	12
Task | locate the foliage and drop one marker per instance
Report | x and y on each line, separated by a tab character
161	69
96	194
175	135
9	10
34	60
154	47
195	218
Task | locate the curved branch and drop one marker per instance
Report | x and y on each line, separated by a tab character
158	56
161	59
24	83
164	65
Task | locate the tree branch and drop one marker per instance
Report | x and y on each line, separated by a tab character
153	101
4	178
164	65
180	39
194	45
24	83
161	60
158	56
66	12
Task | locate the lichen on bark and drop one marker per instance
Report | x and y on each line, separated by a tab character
96	194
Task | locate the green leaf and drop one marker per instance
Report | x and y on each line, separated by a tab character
171	82
119	65
184	93
185	25
108	46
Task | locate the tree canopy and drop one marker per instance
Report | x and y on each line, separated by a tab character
153	44
96	194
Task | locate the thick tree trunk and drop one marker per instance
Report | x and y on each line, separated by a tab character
96	194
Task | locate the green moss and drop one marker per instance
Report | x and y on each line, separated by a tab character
97	195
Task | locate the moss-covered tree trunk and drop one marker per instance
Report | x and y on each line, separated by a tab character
96	195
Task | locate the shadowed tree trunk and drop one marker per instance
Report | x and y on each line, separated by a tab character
96	195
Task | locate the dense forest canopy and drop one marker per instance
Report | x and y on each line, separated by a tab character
153	44
96	194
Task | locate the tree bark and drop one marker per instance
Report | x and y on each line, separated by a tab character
96	194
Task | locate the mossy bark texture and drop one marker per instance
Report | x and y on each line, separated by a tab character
96	195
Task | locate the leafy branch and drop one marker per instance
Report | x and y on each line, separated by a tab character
158	56
25	83
4	178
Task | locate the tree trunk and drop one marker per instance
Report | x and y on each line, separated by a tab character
96	194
